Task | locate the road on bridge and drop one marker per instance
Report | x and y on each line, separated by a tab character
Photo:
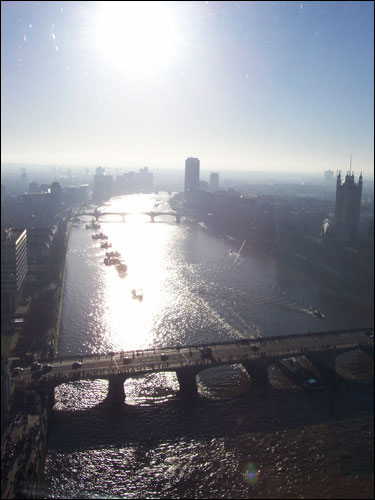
151	360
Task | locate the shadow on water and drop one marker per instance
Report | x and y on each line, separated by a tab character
258	410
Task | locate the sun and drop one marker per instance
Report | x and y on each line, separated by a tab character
136	36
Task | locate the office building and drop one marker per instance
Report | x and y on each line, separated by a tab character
36	210
102	185
146	179
329	176
214	182
191	175
13	268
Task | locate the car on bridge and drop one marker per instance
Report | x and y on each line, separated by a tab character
36	366
76	365
164	357
18	321
126	361
47	368
17	370
255	347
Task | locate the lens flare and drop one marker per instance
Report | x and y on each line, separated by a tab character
251	474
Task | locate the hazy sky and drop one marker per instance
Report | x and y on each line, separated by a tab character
241	85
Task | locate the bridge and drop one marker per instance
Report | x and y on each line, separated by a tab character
187	361
152	214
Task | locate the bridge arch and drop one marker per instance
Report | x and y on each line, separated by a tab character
186	362
152	214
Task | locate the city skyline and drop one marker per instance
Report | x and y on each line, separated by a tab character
266	86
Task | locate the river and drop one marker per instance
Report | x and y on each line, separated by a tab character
235	441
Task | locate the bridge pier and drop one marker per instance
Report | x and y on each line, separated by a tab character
188	384
325	363
258	371
152	217
123	218
116	390
178	218
369	350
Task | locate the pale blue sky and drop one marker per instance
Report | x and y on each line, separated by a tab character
241	85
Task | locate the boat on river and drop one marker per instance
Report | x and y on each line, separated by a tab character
99	236
293	368
112	254
318	314
121	268
112	261
137	293
92	225
105	244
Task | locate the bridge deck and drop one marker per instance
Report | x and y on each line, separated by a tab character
192	357
149	212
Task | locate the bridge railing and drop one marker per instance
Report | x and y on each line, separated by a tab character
255	340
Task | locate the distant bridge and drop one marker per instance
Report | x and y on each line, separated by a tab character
254	354
152	214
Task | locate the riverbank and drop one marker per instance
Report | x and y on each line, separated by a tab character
24	441
46	401
54	334
330	277
23	451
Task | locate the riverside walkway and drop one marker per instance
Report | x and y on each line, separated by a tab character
187	361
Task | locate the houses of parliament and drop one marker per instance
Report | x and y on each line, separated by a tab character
347	208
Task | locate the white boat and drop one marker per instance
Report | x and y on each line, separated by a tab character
137	293
318	314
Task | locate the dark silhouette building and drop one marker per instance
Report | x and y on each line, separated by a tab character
347	208
191	175
56	197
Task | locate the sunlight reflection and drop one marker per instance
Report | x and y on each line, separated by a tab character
151	246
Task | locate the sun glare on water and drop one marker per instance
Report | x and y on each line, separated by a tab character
136	36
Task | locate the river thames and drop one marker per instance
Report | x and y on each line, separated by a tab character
234	441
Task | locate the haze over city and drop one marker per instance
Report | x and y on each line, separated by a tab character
246	86
187	250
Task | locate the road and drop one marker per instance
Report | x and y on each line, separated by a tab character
151	360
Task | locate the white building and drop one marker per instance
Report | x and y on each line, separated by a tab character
13	268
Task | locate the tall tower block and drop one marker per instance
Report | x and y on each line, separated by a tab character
348	207
191	175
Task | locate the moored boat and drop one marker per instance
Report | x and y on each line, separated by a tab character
293	368
137	293
113	254
121	268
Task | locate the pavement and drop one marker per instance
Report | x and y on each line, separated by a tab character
22	451
151	360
